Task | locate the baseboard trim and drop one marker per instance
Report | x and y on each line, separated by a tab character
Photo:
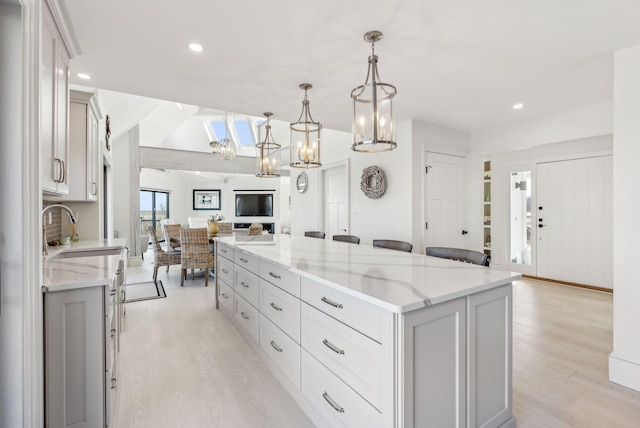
624	372
571	284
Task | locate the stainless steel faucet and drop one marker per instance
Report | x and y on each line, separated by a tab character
72	219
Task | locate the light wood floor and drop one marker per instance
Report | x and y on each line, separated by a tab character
183	365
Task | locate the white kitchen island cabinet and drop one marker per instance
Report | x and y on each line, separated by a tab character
362	336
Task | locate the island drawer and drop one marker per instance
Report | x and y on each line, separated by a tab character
246	284
247	316
352	356
246	260
224	250
225	270
356	313
225	296
284	352
281	308
334	401
281	277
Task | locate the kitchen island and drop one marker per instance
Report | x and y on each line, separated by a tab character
364	336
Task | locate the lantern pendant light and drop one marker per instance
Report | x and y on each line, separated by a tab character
268	154
373	126
227	147
305	137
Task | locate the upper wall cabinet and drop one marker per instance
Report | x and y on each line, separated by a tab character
83	147
54	107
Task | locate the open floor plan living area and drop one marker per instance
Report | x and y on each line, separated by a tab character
391	214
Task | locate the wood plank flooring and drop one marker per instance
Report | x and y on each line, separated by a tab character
182	364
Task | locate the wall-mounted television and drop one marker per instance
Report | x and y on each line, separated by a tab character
254	205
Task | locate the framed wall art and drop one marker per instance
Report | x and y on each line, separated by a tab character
206	199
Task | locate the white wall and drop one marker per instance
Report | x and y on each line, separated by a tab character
558	136
388	217
12	302
624	361
181	184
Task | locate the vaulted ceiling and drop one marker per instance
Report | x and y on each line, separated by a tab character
456	63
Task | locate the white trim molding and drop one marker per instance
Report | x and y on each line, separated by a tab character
61	16
624	372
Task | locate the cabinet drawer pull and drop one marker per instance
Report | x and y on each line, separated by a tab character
333	347
276	347
113	332
332	303
114	382
224	295
113	292
224	270
332	403
244	316
244	284
276	307
276	276
94	189
64	172
243	260
222	250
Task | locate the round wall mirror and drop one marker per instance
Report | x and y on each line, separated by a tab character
302	182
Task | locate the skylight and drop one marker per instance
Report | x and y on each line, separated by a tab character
245	136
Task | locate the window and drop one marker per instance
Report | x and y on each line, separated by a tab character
521	217
154	206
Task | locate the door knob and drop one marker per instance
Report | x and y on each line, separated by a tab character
464	232
540	225
540	208
539	219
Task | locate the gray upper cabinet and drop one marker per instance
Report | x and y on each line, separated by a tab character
54	107
83	147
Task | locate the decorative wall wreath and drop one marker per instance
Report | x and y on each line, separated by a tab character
374	182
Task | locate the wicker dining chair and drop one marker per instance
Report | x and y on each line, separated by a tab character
347	238
195	252
172	231
393	245
160	256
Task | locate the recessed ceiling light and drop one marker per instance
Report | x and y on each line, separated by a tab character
518	106
84	76
195	47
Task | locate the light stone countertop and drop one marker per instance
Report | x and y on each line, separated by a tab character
394	280
60	274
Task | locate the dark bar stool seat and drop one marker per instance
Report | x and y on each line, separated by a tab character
315	234
459	254
393	245
347	238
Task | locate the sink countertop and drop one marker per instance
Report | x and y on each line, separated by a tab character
60	274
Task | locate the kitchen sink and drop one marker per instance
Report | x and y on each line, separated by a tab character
72	254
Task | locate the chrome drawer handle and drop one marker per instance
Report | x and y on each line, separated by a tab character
244	260
113	292
113	332
276	347
114	382
332	303
224	295
275	275
244	285
225	271
333	347
222	250
276	307
332	403
244	316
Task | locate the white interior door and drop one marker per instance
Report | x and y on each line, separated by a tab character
574	221
445	201
336	201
